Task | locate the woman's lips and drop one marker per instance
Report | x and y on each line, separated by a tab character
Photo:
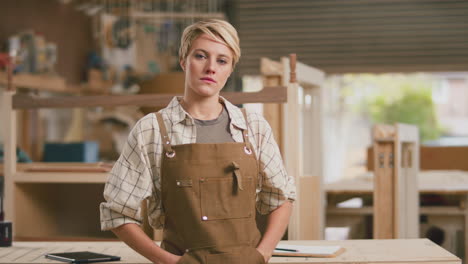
208	79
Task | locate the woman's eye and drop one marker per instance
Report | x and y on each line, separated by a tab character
199	56
222	62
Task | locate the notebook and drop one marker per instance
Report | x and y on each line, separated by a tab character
290	250
81	257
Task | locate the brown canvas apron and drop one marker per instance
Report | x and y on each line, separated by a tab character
208	197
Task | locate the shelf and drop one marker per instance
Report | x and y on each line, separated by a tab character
38	82
60	177
277	94
51	83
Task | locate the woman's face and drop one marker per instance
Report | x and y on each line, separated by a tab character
207	67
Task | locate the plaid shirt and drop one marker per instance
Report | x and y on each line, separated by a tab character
136	174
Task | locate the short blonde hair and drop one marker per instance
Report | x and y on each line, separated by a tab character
219	30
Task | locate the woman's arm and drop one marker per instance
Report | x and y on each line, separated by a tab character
276	226
135	238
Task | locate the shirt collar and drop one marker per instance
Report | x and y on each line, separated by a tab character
237	118
178	113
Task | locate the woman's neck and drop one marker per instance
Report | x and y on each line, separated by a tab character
204	109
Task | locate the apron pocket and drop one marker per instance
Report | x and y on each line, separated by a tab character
224	258
222	199
259	256
248	255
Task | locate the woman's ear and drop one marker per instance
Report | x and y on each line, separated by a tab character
182	64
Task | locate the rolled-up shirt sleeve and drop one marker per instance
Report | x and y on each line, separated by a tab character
276	185
128	184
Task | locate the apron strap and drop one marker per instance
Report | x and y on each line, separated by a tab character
164	136
245	132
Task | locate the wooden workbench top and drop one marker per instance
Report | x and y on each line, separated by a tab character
357	251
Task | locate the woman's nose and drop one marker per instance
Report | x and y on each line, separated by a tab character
210	66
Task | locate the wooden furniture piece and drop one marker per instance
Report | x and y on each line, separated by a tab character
396	200
297	127
394	251
443	193
50	204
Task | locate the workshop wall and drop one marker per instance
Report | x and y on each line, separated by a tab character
62	24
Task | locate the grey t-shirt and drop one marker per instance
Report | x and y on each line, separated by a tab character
214	131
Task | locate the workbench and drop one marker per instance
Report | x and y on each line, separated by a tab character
356	251
443	197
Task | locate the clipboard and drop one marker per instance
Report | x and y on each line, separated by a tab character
289	250
81	257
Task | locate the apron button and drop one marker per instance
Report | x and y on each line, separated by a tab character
178	183
205	218
247	150
187	250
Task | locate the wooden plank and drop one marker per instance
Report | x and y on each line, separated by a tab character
292	157
9	140
312	218
384	200
272	74
38	82
60	177
66	167
395	251
267	95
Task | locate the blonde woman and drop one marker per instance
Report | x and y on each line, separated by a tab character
204	165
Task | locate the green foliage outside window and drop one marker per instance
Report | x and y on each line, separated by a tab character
394	98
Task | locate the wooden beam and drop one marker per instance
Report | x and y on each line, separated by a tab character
384	200
9	137
266	95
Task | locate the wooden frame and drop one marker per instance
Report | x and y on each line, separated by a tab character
396	197
287	121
